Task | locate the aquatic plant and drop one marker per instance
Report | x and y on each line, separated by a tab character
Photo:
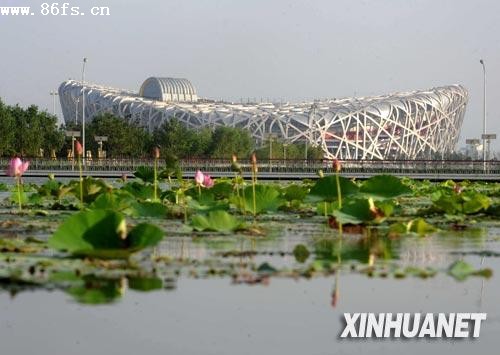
16	169
103	234
336	167
261	198
253	160
217	221
418	226
156	156
456	201
145	173
384	187
238	178
203	180
460	270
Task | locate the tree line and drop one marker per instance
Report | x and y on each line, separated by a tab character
33	133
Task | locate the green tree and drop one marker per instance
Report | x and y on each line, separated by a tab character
177	139
228	140
7	129
201	142
125	139
284	150
34	130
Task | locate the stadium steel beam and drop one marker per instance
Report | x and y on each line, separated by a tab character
408	125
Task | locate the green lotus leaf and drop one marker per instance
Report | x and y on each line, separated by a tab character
301	253
267	199
145	284
140	191
460	270
92	188
145	173
217	221
295	192
102	234
93	291
383	187
325	189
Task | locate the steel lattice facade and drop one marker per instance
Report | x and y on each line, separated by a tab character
402	125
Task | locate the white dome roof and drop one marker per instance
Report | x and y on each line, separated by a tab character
168	89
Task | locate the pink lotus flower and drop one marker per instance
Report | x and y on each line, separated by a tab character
208	182
17	167
203	179
199	178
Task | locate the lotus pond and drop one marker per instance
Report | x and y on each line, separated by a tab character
232	267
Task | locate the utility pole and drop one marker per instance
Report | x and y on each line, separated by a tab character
83	113
484	109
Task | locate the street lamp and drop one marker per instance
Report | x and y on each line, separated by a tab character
473	142
83	111
100	151
484	108
54	94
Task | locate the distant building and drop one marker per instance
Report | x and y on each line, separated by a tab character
408	125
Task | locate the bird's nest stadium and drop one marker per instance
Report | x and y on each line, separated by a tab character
409	125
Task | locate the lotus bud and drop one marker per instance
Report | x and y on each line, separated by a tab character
336	165
254	159
254	163
234	165
78	148
122	230
320	173
156	153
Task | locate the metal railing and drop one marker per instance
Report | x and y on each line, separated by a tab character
280	166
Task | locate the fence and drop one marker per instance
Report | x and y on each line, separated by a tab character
284	167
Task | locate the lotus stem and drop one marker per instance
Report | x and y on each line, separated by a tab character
243	201
240	199
155	169
81	181
254	197
199	192
185	211
19	194
339	197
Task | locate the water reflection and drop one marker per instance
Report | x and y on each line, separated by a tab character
302	250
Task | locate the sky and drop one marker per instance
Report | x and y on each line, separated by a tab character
284	50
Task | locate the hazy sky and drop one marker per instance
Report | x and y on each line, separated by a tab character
281	49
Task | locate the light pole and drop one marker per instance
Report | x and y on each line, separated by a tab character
83	112
77	101
54	94
484	108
